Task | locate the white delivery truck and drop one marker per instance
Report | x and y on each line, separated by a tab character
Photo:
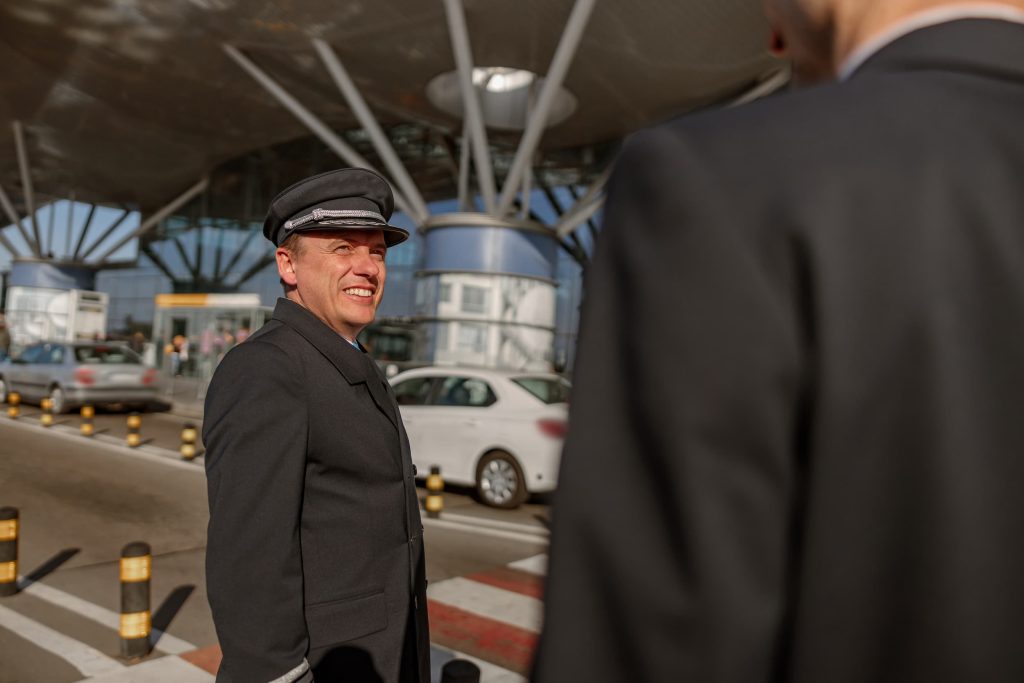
40	313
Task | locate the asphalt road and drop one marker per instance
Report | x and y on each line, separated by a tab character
81	500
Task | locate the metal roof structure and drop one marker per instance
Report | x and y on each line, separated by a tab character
137	102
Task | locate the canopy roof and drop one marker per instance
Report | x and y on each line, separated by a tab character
131	101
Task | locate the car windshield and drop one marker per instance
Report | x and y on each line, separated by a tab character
106	355
548	389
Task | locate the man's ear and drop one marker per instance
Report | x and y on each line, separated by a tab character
286	266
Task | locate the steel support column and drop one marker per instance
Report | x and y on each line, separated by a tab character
107	233
459	36
12	216
85	231
155	218
586	207
308	119
369	123
564	53
26	177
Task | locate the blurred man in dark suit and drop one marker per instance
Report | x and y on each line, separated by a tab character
797	447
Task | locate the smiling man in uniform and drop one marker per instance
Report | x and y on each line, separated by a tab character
315	548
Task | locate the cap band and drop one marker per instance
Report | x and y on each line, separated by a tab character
328	214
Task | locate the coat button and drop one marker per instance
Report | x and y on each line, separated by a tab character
414	470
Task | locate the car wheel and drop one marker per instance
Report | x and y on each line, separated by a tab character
500	482
59	402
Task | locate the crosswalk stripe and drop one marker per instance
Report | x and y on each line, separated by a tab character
89	661
501	644
490	602
163	670
513	580
538	564
165	642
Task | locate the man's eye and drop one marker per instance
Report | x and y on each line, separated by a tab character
379	255
344	248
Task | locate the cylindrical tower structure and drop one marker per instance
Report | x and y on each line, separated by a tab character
486	294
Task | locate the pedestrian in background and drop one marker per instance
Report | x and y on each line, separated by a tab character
796	443
315	548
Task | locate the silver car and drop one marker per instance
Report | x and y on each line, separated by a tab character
72	374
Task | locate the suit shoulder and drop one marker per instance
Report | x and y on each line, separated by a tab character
270	356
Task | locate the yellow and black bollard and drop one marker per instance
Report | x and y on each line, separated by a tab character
435	487
134	425
188	441
8	551
88	413
13	405
136	618
46	419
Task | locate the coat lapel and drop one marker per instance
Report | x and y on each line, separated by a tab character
354	365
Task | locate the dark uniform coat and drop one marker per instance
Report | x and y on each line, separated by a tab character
797	435
315	544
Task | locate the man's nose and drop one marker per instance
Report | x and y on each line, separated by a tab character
365	264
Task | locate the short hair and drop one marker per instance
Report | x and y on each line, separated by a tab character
293	244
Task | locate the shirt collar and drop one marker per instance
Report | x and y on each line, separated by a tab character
920	20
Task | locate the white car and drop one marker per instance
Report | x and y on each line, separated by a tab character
499	431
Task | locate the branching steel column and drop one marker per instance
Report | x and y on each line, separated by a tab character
154	219
238	254
464	162
8	246
107	233
159	263
369	123
26	177
564	54
459	36
308	118
85	231
12	216
255	268
586	207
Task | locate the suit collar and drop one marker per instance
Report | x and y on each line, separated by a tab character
350	362
980	46
354	365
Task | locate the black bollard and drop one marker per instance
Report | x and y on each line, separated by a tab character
136	617
8	551
460	671
435	487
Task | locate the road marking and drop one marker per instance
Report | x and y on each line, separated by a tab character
484	530
165	642
535	529
514	580
489	673
163	670
87	660
490	602
538	564
503	645
108	444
